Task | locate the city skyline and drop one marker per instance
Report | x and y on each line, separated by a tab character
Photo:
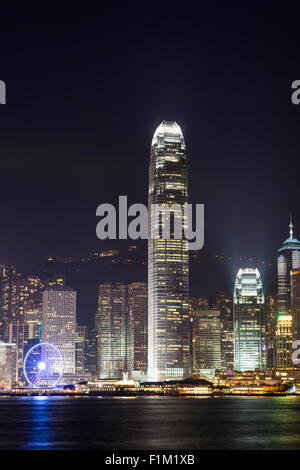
21	312
178	124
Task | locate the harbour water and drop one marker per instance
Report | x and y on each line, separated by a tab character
149	423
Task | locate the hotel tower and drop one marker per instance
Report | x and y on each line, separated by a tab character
168	262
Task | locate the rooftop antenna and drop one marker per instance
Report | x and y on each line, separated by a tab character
291	227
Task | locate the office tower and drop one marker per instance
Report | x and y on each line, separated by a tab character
29	303
271	320
19	335
137	307
287	261
111	324
224	303
206	340
249	321
284	338
59	322
80	341
7	364
195	304
295	291
168	260
8	298
90	361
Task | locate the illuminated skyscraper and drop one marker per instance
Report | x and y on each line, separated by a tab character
137	326
29	303
271	319
8	299
90	360
7	364
295	284
19	335
168	263
206	340
59	322
111	325
287	261
224	303
81	339
284	338
249	321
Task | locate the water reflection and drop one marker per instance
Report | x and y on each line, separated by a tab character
149	423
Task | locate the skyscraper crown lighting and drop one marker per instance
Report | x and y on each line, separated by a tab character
168	131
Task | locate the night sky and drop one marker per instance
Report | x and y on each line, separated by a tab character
86	90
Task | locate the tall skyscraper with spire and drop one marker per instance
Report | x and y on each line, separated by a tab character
168	262
288	261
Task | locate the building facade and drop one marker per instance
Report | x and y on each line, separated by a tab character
18	333
8	363
295	292
288	261
81	340
271	321
206	340
137	305
249	321
224	303
284	339
168	259
8	299
59	322
112	328
90	360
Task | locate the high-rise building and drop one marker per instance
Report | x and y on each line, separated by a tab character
59	322
271	320
295	284
137	306
249	321
19	335
111	324
288	260
20	300
168	260
8	299
206	340
195	304
81	338
29	303
90	360
224	303
284	338
7	364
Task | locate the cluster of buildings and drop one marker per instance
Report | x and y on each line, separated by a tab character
156	333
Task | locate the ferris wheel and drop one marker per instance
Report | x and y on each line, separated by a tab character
43	365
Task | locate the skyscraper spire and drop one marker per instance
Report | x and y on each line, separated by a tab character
291	227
